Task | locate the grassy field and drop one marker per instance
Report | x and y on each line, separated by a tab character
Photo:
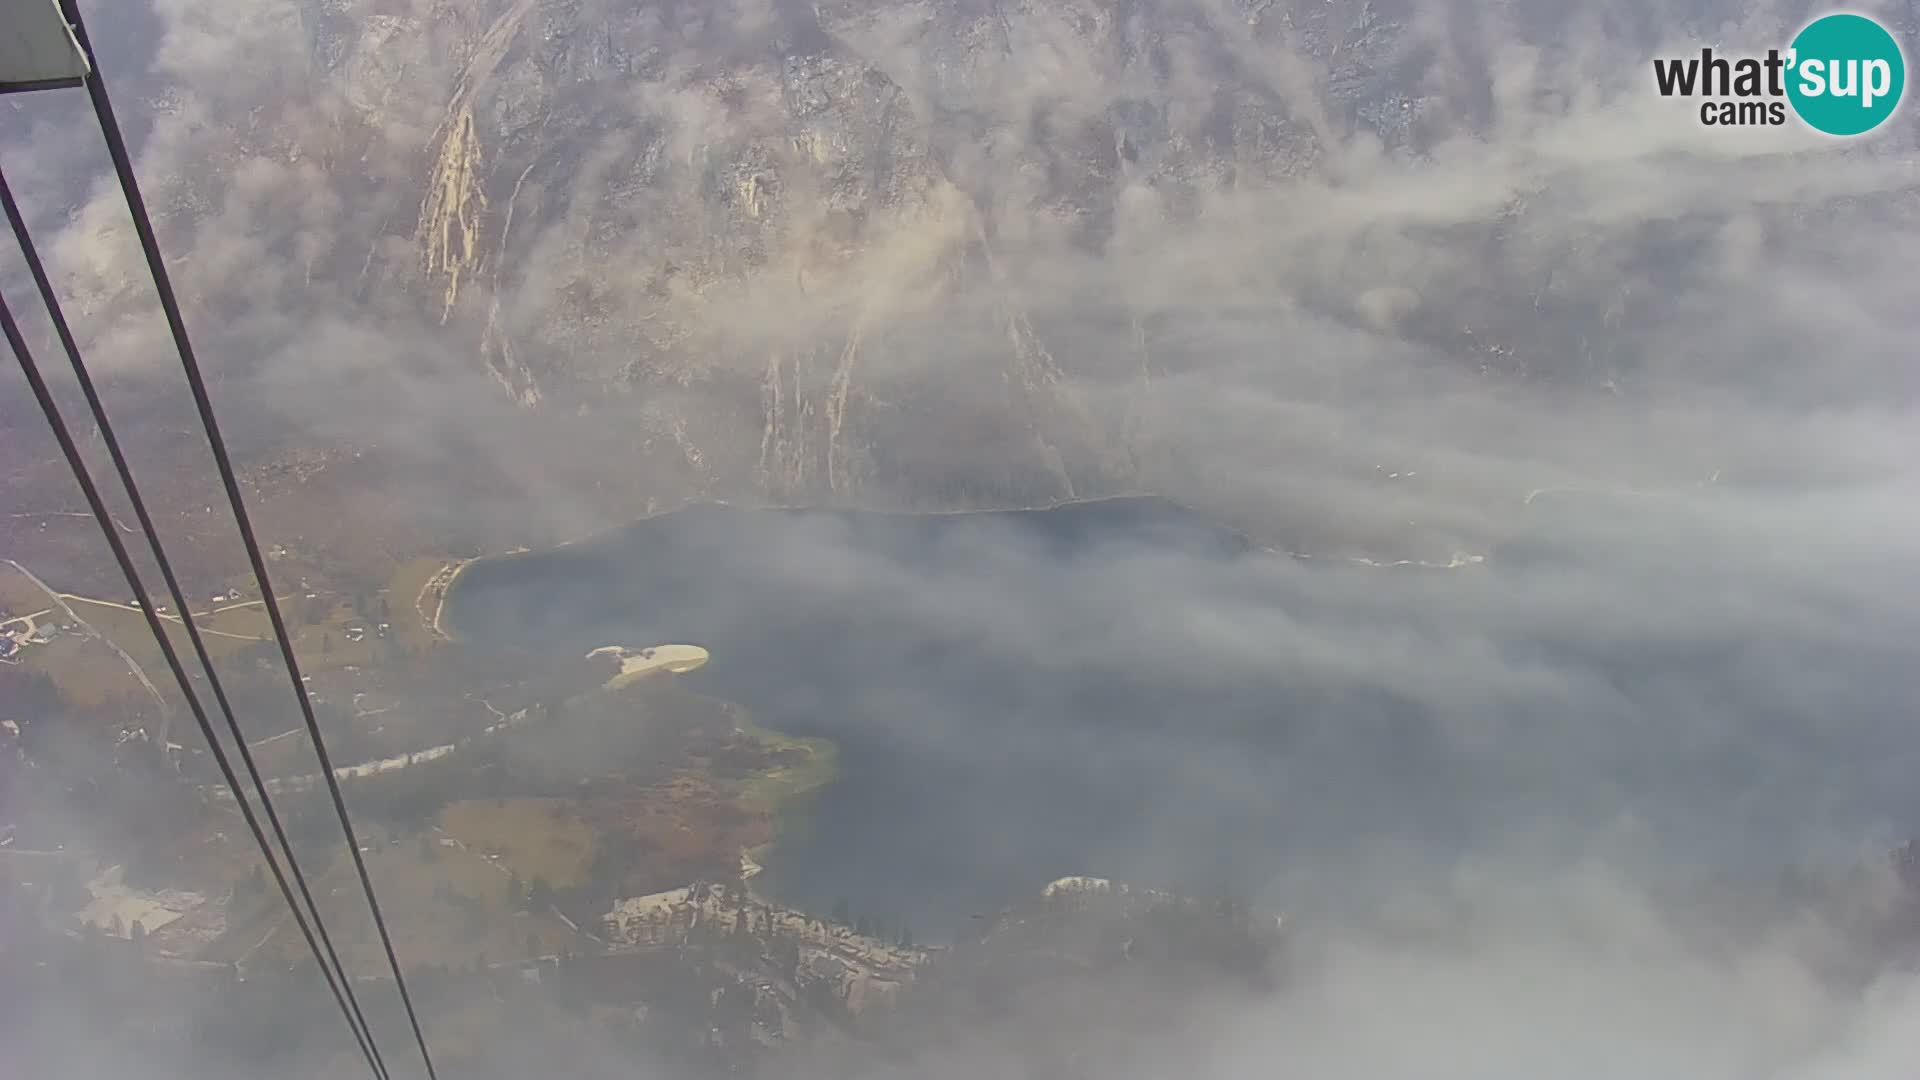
85	672
318	628
403	588
535	838
772	790
90	672
18	596
444	905
225	632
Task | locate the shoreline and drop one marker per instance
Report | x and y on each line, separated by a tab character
783	791
1457	560
439	584
691	504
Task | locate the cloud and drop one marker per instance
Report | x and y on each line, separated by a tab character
1372	286
1569	972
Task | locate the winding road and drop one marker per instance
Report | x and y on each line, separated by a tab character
635	664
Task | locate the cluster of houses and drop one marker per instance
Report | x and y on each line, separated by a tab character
359	633
17	634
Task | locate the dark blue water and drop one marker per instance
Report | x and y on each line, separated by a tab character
1123	688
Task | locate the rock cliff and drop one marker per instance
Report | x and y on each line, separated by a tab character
796	244
802	956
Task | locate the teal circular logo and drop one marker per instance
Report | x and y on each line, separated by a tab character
1845	74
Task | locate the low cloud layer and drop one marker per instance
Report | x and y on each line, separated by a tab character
1374	284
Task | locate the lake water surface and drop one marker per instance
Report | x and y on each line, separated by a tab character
1123	688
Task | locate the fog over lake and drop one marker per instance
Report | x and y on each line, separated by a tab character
1123	688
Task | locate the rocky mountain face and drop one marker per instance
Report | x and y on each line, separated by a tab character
795	245
934	253
754	217
806	958
1076	924
779	978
